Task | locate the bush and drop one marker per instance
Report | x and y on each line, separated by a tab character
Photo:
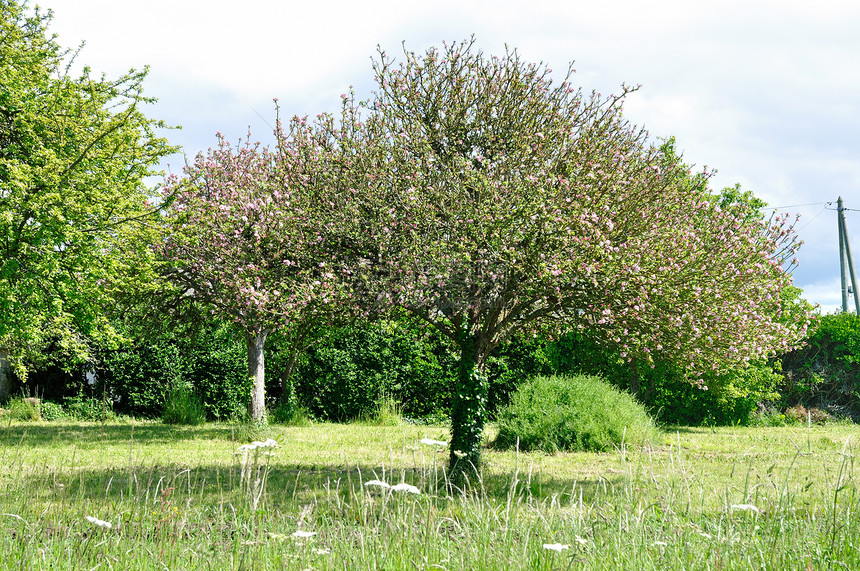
213	364
346	374
826	371
183	407
731	397
52	411
572	413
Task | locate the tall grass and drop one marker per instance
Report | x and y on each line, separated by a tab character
179	497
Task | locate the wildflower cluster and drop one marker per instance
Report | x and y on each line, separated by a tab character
254	472
402	487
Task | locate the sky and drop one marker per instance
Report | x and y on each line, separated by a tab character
765	92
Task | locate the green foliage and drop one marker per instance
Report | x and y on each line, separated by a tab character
52	411
285	412
25	410
666	390
138	376
826	371
344	376
88	409
388	412
75	152
562	413
522	357
212	363
182	406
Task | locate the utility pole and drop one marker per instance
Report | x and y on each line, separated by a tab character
845	255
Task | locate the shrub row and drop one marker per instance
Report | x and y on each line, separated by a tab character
351	369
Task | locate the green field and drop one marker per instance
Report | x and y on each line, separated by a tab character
176	498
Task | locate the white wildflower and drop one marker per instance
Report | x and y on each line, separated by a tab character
745	507
304	534
270	443
660	544
321	551
556	547
99	522
431	442
404	487
580	540
376	483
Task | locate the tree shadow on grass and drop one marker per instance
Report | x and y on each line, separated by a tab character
287	485
94	433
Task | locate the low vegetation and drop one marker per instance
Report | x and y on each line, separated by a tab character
577	413
135	495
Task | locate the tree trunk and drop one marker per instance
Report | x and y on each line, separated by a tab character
5	375
469	410
257	373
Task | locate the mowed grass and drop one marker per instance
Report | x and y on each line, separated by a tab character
724	498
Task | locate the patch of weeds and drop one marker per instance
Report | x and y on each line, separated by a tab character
388	412
88	409
251	431
25	409
290	414
182	406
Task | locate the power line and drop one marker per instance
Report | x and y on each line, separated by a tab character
813	218
795	205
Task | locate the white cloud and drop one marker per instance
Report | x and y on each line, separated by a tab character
762	90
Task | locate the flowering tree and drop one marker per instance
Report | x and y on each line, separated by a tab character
244	239
494	201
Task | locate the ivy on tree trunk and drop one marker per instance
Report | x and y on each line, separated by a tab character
468	411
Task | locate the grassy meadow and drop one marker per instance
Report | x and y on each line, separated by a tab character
189	498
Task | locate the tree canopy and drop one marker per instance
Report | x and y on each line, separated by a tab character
494	200
75	152
244	238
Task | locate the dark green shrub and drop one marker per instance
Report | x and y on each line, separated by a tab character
52	411
283	412
290	414
665	390
826	371
182	406
217	369
137	376
346	374
572	413
213	363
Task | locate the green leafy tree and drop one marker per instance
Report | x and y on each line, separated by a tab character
495	201
75	151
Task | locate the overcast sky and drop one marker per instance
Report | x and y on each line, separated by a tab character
766	92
